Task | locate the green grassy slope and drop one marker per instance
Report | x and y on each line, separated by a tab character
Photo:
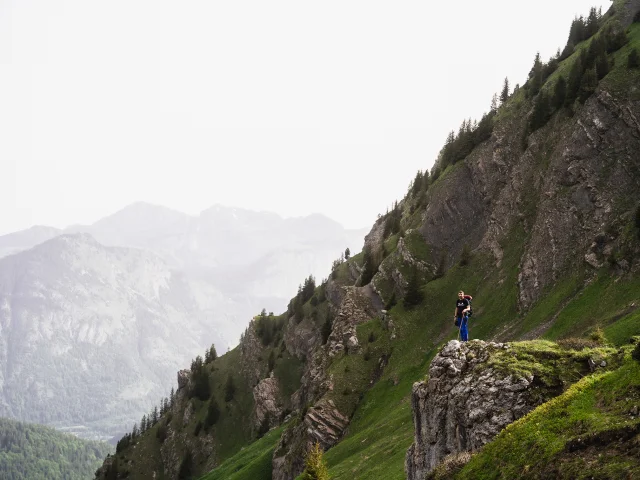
253	461
590	431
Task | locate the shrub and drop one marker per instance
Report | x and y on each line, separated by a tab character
213	414
451	465
229	389
576	343
414	295
161	433
367	354
392	302
597	336
632	60
465	256
186	467
264	426
315	465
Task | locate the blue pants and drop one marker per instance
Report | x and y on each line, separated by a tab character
464	332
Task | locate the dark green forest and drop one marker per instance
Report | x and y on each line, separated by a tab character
32	452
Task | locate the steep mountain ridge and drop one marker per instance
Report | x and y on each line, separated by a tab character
539	225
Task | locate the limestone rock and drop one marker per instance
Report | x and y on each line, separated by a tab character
184	377
251	363
266	395
463	405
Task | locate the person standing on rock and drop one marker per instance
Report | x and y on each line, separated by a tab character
463	306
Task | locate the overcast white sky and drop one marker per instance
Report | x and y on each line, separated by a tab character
294	107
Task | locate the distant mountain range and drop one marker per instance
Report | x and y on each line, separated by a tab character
95	320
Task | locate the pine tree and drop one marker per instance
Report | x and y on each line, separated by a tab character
326	329
413	296
465	256
315	465
370	266
541	112
535	76
347	254
186	467
271	362
573	85
559	93
504	96
213	414
602	65
494	103
154	415
229	389
172	397
588	85
633	60
143	424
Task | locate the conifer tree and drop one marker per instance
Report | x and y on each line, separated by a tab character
154	415
541	112
588	84
315	465
504	96
602	65
559	93
413	296
229	389
573	85
347	253
213	414
535	76
633	60
370	267
143	424
172	397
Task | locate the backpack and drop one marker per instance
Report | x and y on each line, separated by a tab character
470	312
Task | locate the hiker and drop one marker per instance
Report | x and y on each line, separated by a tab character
461	314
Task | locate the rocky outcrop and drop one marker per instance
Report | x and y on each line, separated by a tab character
268	405
464	404
323	422
251	363
356	308
301	338
375	238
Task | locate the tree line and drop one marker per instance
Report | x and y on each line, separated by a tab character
30	451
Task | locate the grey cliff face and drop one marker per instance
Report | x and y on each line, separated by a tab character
564	205
323	422
463	405
266	396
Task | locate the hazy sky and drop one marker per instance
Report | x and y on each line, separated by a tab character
294	107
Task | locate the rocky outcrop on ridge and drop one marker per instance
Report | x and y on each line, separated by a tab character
464	404
323	422
268	407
